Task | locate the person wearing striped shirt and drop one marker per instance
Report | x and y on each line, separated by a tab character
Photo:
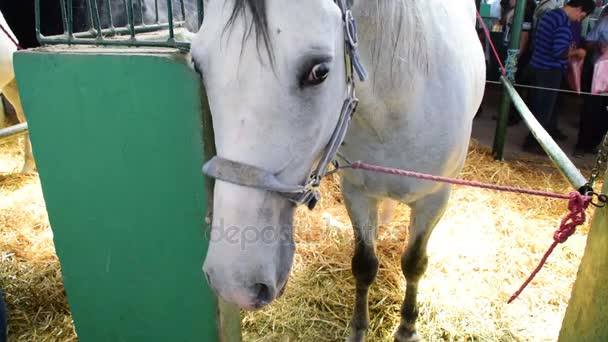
552	48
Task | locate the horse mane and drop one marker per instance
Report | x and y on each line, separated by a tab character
258	24
400	39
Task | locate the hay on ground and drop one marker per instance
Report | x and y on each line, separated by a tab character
480	252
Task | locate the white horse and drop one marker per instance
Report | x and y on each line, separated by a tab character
274	72
8	86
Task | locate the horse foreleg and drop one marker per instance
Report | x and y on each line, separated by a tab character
11	93
425	215
363	212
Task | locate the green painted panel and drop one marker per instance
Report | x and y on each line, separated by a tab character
587	312
117	141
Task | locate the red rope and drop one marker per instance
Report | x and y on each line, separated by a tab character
485	29
576	217
10	36
577	204
374	168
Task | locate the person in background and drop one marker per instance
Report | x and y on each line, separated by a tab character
593	122
552	48
543	7
577	43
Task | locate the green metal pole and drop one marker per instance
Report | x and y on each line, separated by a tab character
503	115
559	158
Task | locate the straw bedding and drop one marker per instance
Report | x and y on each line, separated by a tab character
480	252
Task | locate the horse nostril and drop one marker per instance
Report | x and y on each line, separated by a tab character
207	277
263	293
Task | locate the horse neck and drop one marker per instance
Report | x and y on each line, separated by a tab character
393	41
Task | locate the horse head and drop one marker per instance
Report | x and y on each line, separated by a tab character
276	79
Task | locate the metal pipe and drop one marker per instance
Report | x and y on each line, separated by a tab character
200	6
64	16
559	158
183	10
141	11
131	42
60	39
170	19
124	3
109	9
156	9
70	37
130	18
12	132
37	19
94	13
70	19
505	108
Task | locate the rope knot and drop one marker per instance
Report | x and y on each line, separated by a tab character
577	204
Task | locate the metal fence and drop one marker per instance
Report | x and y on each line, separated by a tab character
102	28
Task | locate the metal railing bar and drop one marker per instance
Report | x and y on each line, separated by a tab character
64	16
96	34
112	33
183	10
94	13
109	9
130	18
37	20
170	19
70	10
200	12
156	10
559	158
134	43
141	11
124	3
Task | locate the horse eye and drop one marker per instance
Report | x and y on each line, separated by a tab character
317	74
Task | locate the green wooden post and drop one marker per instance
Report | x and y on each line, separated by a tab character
116	134
587	312
505	108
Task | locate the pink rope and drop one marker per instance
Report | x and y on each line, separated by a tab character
576	216
374	168
485	30
10	37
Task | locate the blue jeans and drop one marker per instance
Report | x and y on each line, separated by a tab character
2	318
543	101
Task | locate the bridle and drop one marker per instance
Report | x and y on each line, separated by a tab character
251	176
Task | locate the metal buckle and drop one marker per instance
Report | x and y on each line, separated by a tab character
602	199
351	29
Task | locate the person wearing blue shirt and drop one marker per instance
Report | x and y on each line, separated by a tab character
552	48
593	122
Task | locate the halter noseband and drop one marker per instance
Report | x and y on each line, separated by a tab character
308	194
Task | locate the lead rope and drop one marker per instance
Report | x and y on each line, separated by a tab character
10	36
